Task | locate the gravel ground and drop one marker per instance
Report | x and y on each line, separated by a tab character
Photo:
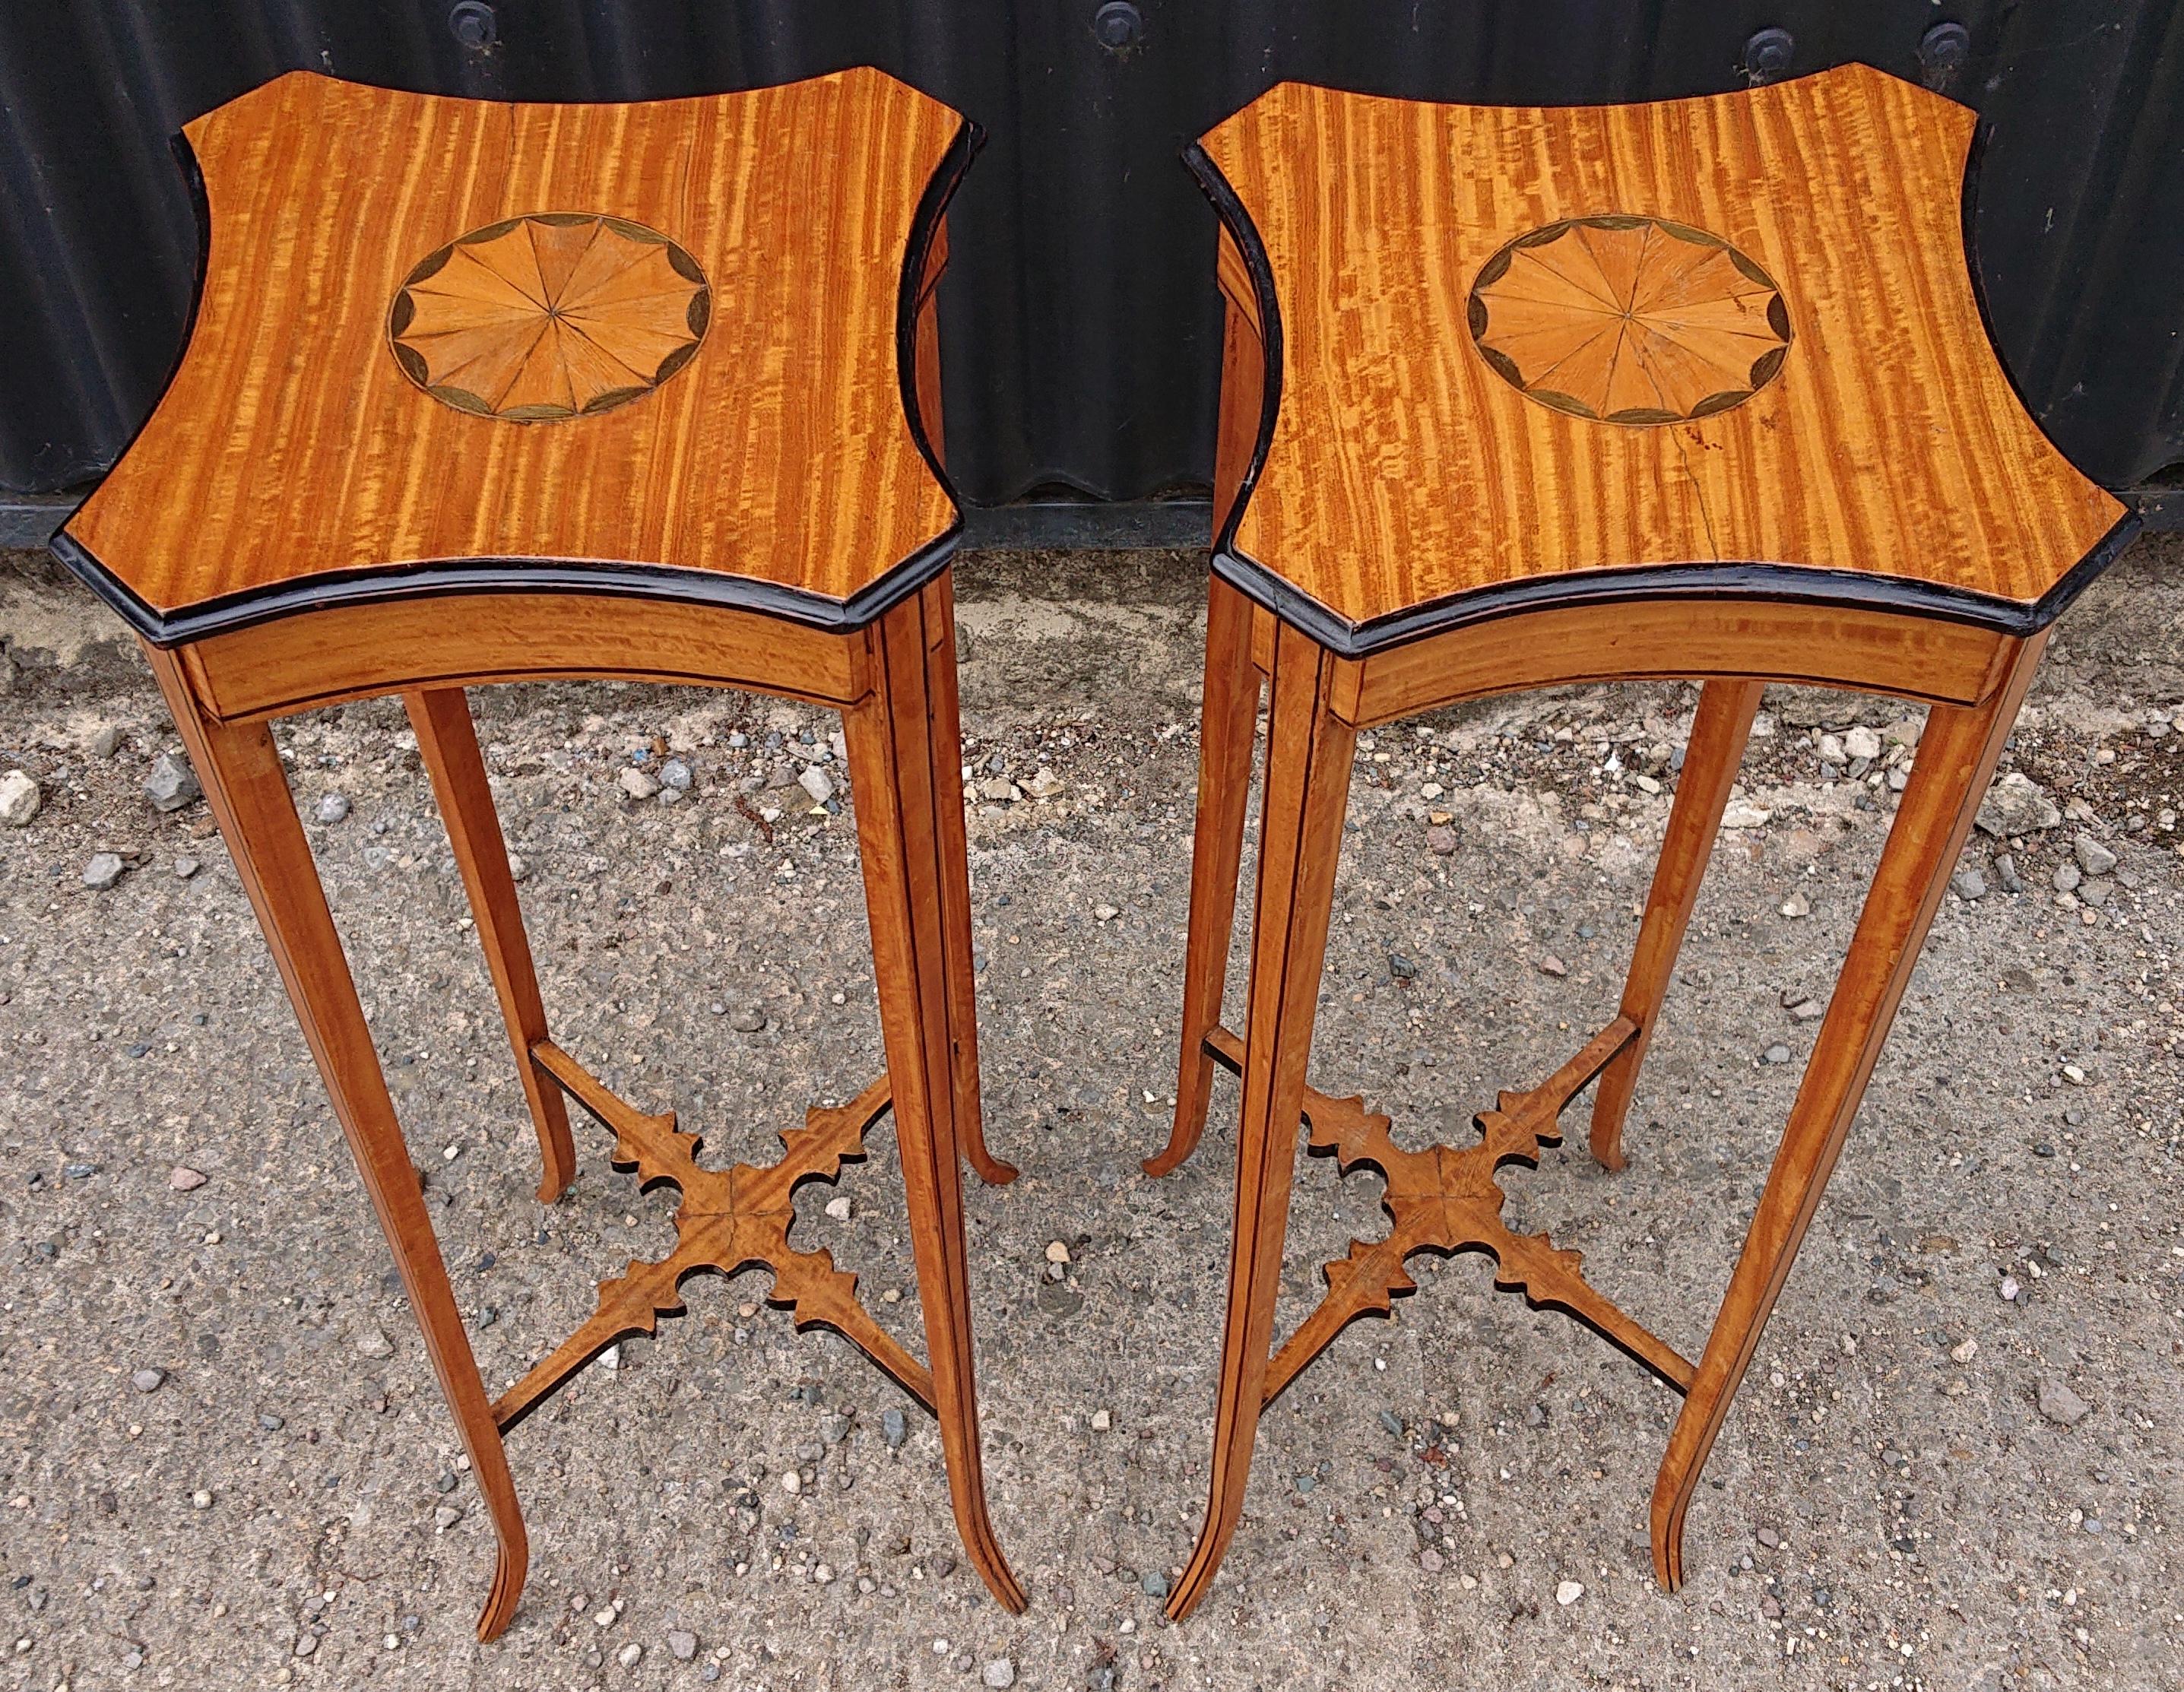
1954	1463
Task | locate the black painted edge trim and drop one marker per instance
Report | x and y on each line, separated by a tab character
1780	583
434	578
1228	207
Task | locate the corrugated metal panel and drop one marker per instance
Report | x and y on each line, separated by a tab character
1080	327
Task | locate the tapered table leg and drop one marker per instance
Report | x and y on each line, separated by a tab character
249	796
1309	751
447	743
946	727
1228	722
903	790
1956	760
1711	760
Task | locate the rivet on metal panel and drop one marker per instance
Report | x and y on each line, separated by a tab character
1942	51
472	23
1767	54
1118	25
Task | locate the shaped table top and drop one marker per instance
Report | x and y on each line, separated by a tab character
1523	356
661	348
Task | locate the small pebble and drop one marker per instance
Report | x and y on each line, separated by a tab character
1796	906
2094	857
374	1343
681	1646
149	1380
747	1018
637	783
816	782
839	1207
630	1654
675	776
1569	1591
1777	1052
1056	1252
999	1674
185	867
332	808
184	1179
1768	1538
172	784
104	870
2059	1405
893	1428
1552	966
20	797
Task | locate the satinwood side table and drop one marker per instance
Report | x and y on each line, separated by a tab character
1514	399
482	393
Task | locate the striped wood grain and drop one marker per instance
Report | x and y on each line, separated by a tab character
1404	470
291	444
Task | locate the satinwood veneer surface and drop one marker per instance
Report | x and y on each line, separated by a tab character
446	342
1722	344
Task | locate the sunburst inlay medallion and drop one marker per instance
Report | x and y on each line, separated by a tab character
553	315
1630	320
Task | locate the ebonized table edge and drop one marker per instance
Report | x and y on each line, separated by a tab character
1779	583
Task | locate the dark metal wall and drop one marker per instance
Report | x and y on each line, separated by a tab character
1080	327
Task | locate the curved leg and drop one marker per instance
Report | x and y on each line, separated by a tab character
903	792
1956	760
249	793
1719	732
946	724
1309	750
447	743
1228	721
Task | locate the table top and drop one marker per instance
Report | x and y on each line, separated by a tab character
662	348
1521	356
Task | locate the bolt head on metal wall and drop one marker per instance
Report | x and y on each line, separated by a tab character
1118	26
1768	56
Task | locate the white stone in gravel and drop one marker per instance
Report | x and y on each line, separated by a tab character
185	868
1796	906
519	869
2009	1289
1831	750
1964	1351
21	796
184	1179
792	1483
681	1645
816	782
2094	857
1569	1592
1045	784
999	1674
104	870
1552	966
630	1654
1861	742
2059	1405
200	1500
2016	805
638	784
332	808
1101	1421
1739	815
374	1343
149	1380
839	1208
446	1516
1056	1252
